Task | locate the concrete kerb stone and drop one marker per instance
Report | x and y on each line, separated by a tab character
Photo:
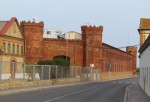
118	79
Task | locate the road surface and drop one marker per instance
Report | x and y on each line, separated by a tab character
112	91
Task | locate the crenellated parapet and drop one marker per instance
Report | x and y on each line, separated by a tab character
91	28
88	31
33	24
31	27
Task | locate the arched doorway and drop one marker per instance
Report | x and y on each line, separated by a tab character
61	57
12	69
63	69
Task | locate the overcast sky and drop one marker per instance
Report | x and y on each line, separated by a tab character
120	18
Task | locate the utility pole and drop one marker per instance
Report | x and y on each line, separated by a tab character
75	51
66	49
110	65
1	54
75	57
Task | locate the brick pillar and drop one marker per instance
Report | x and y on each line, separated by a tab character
92	45
132	50
33	33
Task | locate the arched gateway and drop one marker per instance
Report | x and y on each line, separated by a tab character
62	57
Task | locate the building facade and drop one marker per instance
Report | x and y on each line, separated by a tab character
72	35
144	29
12	47
118	63
111	61
145	66
52	33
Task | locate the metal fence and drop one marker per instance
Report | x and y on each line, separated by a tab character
47	72
24	71
11	69
145	79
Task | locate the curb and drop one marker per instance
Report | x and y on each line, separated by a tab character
118	79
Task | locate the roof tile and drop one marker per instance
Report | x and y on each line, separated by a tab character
7	25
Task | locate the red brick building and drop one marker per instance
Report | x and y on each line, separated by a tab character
89	50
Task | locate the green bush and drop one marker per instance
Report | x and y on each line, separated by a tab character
46	62
60	62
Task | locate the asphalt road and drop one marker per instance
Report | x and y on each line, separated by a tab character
112	91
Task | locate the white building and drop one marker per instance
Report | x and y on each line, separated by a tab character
72	35
145	66
52	33
144	31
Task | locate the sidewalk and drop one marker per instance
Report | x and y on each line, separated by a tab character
134	93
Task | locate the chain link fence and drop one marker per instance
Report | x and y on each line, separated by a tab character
48	72
18	70
11	70
17	75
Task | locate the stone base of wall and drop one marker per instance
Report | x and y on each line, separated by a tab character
115	75
24	83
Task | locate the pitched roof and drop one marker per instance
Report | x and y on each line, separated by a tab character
4	25
145	23
114	48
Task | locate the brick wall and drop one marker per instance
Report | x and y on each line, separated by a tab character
55	47
89	50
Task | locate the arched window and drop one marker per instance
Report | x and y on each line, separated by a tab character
13	69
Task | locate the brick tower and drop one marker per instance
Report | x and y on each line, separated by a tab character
132	50
92	45
33	33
